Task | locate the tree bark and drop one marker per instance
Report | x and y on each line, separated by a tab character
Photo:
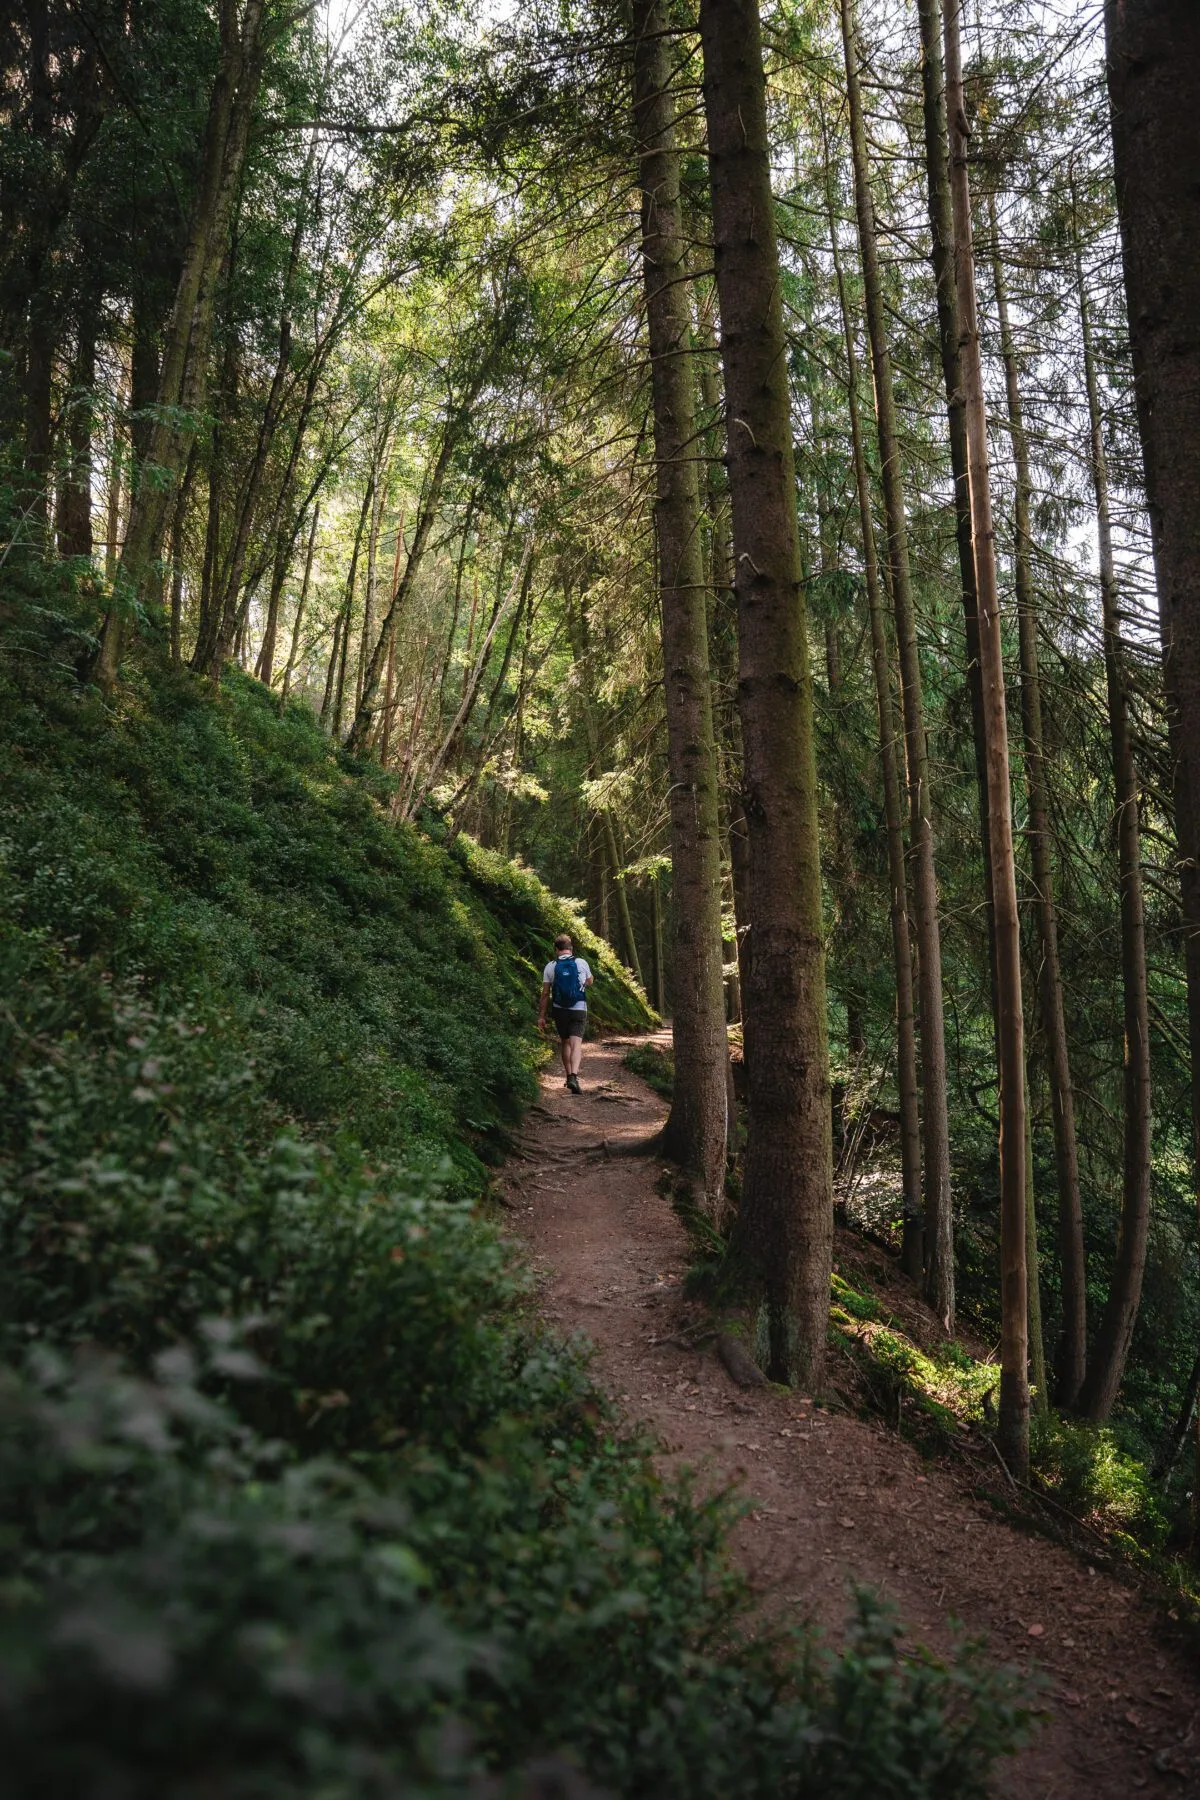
727	730
231	613
339	696
183	383
1013	1427
382	472
696	1130
301	604
178	521
1072	1348
912	1243
1107	1363
941	224
75	501
369	704
785	1222
1154	92
939	1217
580	650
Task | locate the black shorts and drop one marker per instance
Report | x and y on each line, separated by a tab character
571	1023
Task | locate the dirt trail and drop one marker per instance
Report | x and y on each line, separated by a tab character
838	1499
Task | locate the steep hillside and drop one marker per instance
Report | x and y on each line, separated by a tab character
296	1495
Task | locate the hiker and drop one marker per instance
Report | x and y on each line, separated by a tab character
565	982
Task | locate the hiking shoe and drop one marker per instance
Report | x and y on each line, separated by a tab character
573	1084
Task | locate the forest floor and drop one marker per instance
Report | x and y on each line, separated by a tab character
837	1500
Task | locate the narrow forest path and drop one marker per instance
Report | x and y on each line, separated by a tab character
837	1499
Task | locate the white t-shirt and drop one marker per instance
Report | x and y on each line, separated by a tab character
585	975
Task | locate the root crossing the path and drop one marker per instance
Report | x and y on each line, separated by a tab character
836	1500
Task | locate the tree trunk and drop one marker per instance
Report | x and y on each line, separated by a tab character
290	665
75	502
697	1128
264	666
912	1244
178	521
332	666
1119	1317
939	1218
112	510
39	320
1072	1349
232	615
941	223
577	630
785	1222
368	705
727	730
348	609
1013	1429
368	627
183	385
1154	90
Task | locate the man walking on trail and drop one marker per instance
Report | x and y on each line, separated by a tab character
565	982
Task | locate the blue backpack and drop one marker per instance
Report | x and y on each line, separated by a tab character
568	988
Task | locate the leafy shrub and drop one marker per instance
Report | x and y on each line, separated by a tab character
655	1065
1086	1469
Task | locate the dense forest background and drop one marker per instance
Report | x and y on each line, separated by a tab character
337	544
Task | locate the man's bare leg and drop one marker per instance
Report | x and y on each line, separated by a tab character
576	1044
564	1050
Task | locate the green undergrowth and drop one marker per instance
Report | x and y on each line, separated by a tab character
296	1495
937	1391
656	1066
942	1397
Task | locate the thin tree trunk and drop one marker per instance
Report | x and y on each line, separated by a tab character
1107	1363
183	384
112	521
1072	1349
1013	1428
332	666
785	1221
75	502
368	705
301	603
912	1247
487	736
210	571
696	1130
264	666
348	607
385	743
726	723
178	522
579	648
941	222
232	615
381	486
1154	94
474	676
939	1218
659	994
